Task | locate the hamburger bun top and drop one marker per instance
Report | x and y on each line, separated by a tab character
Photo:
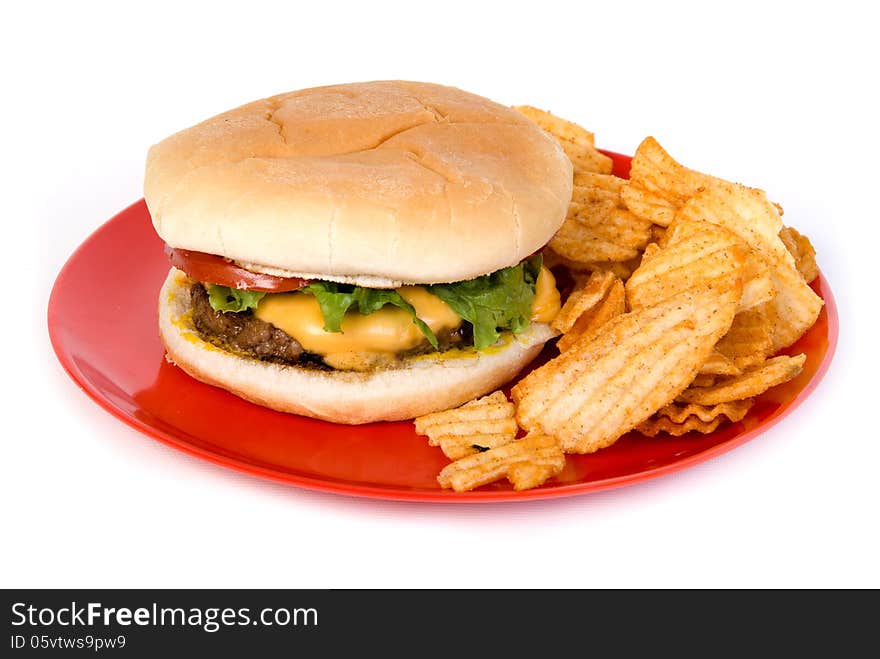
375	183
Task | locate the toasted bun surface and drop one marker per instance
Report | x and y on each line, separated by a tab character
393	182
423	385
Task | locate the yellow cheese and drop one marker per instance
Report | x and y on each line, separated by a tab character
388	330
546	304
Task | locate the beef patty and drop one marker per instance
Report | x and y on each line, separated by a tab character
241	332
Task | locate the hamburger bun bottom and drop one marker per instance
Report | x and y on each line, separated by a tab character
421	385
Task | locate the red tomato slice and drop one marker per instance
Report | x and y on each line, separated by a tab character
214	269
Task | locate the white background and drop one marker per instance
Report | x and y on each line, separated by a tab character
776	96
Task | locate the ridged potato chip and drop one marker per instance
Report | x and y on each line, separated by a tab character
757	282
621	269
592	318
658	185
751	383
477	425
750	337
577	142
676	419
599	182
557	126
598	227
694	252
526	462
658	234
747	213
758	285
803	252
719	364
586	158
684	233
586	294
606	384
703	380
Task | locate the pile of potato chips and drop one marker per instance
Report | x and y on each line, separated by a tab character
685	287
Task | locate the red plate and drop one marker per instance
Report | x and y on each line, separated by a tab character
103	325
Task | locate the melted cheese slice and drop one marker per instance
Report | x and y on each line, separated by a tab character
368	340
388	330
547	303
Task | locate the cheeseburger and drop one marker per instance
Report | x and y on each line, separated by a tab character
358	252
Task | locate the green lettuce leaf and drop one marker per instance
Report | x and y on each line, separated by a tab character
498	301
335	299
223	298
